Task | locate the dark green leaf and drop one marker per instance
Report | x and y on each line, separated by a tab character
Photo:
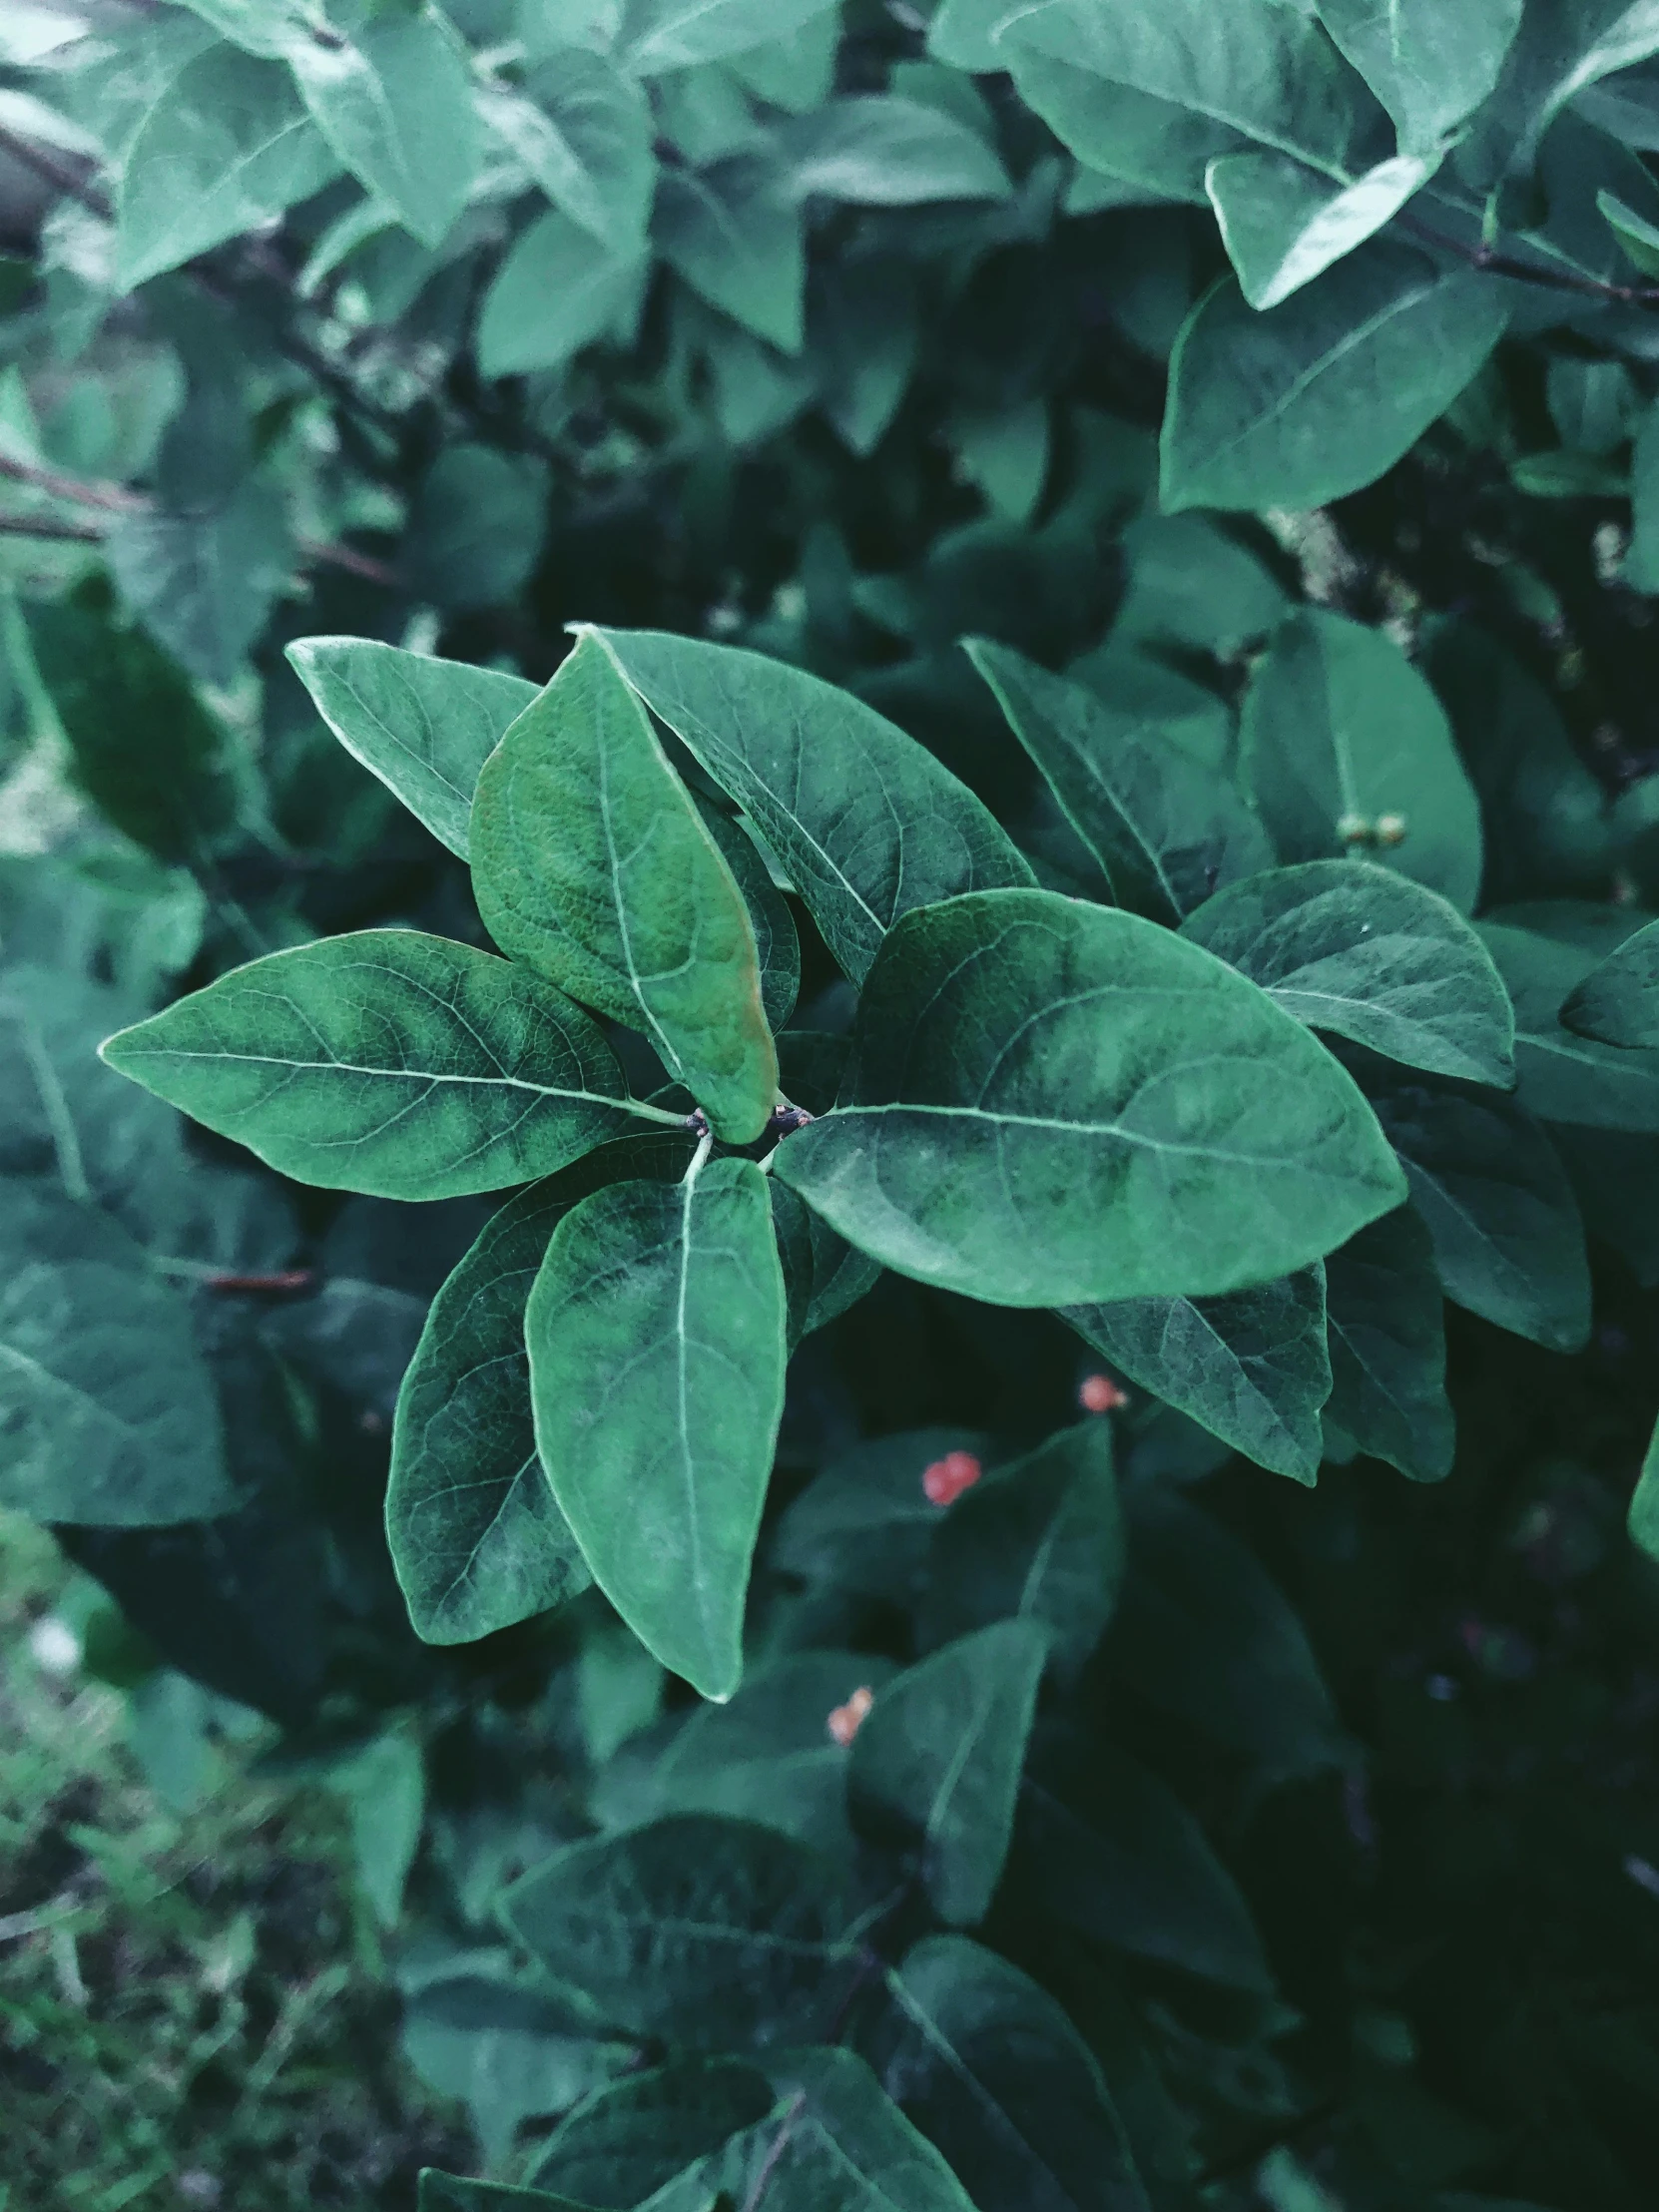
1370	956
474	1533
1163	826
937	1764
1108	1848
1041	1540
889	151
1250	1368
628	2138
1509	1240
476	526
1319	396
425	727
866	1521
1387	1348
1644	1504
395	103
1347	750
999	1138
583	130
591	865
671	34
822	1274
389	1062
1564	1074
867	822
1202	1631
1618	1001
454	2193
706	1931
776	939
205	582
106	1404
988	2066
655	1339
734	233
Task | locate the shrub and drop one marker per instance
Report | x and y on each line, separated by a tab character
989	685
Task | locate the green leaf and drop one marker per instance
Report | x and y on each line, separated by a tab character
383	1785
591	865
770	1756
627	2139
1387	1348
1151	145
476	526
389	1062
206	581
838	2144
558	288
1041	1540
1203	1633
1000	1138
823	1276
656	1337
865	1523
937	1764
1565	1075
1638	237
866	822
705	1931
583	130
1431	66
1644	1504
1108	1848
1345	747
1618	1001
226	149
777	940
1509	1240
1284	223
1319	396
395	103
734	233
1250	1368
425	727
672	34
475	1537
440	2192
106	1404
987	2065
864	334
1367	955
1264	72
1558	52
1165	829
141	746
883	150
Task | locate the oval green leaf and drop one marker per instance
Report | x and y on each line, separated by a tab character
593	867
1618	1003
1055	1103
389	1062
655	1339
1370	956
867	823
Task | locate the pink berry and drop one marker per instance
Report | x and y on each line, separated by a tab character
1098	1394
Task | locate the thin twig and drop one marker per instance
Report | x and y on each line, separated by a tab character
75	183
1495	263
44	526
112	498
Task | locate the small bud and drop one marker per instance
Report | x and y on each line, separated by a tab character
1391	828
946	1480
847	1720
1353	829
1098	1394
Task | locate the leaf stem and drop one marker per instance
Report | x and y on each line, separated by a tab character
699	1159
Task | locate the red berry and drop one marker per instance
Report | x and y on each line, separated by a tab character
1098	1394
847	1720
946	1480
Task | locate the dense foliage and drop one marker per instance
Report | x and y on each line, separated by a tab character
969	690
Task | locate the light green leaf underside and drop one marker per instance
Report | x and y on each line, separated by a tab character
866	822
1365	953
387	1062
593	867
1052	1103
657	1350
425	727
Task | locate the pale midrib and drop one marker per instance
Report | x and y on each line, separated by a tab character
681	1391
409	1075
1062	1128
